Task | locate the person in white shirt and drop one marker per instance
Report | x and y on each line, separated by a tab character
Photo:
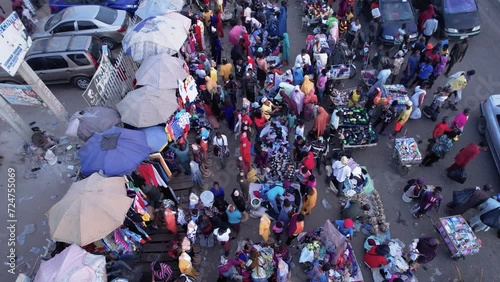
220	144
341	172
222	235
430	27
303	59
253	22
299	129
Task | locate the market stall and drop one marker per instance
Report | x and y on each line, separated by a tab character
458	236
406	154
356	128
396	92
327	245
340	97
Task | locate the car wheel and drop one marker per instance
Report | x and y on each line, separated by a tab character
110	42
81	82
481	125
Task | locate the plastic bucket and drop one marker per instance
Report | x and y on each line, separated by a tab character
255	204
406	199
207	199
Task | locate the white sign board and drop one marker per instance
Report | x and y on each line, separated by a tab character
14	43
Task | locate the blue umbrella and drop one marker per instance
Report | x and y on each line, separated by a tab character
156	137
116	151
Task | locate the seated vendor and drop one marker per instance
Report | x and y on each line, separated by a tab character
355	96
355	210
268	108
375	257
346	227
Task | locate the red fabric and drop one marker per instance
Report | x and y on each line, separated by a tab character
440	129
245	151
467	154
170	221
219	27
147	172
308	161
246	119
425	15
199	39
398	126
348	223
259	123
373	260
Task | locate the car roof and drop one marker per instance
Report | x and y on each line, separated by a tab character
60	44
81	12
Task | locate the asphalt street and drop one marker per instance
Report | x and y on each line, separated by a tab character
41	193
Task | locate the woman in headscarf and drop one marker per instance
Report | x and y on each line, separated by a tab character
309	200
310	101
422	250
228	109
342	8
298	75
239	203
298	98
245	147
291	104
285	53
307	85
282	19
211	85
417	99
424	16
321	122
265	227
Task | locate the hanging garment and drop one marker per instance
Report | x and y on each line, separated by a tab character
159	180
170	221
147	172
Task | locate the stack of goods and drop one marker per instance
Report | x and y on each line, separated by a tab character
340	72
458	235
178	125
341	97
327	245
406	149
368	76
356	127
281	165
396	92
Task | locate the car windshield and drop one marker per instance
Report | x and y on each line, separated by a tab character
396	11
55	19
106	15
459	6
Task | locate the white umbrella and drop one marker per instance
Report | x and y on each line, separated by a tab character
157	35
161	71
151	8
73	264
147	106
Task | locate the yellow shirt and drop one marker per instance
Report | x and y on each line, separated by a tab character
213	74
266	110
225	71
458	83
349	16
354	98
405	115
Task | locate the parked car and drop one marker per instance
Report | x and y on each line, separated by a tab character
458	19
394	14
489	125
107	24
61	59
126	5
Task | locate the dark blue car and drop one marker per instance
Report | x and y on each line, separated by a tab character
394	13
127	5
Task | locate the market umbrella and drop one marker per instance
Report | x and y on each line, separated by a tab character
156	35
147	106
90	120
90	210
491	218
116	151
161	71
73	264
156	137
234	34
151	8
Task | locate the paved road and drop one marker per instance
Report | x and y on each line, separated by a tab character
38	195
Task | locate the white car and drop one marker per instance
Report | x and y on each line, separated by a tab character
106	24
489	125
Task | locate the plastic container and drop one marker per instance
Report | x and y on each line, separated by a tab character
207	199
